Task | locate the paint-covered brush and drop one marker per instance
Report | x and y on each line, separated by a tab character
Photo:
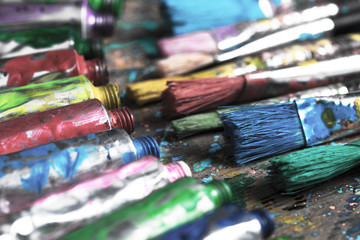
191	96
32	98
174	205
184	17
26	16
61	123
226	221
225	38
48	39
262	131
34	173
48	66
150	90
62	212
211	121
302	169
188	62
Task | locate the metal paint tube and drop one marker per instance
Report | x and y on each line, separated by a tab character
26	16
16	102
115	5
176	204
228	222
62	212
327	119
61	123
32	174
282	81
48	66
48	39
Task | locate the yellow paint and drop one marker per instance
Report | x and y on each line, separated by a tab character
299	222
357	107
150	91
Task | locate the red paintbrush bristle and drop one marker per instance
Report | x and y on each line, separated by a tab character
196	95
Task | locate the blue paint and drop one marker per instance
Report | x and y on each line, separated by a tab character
344	214
147	24
202	165
308	36
177	158
38	177
159	130
310	112
164	143
183	16
148	45
215	147
128	157
158	114
354	229
207	180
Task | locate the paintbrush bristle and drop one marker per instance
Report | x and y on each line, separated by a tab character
261	131
193	124
201	41
238	186
183	63
190	96
302	169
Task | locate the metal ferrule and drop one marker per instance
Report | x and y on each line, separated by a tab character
31	174
264	26
60	213
327	119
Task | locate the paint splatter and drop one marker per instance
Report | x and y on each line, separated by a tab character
202	165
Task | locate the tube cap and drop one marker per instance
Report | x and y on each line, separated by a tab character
266	222
146	146
122	118
177	170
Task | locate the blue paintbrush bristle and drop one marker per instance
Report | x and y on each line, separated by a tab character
262	131
184	16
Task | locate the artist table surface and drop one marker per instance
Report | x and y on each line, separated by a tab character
327	211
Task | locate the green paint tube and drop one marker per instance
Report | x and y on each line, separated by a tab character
15	102
165	209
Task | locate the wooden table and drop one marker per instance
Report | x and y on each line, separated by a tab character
327	211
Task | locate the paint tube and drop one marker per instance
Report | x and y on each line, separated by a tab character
99	5
62	212
227	222
26	16
31	174
61	123
48	39
40	97
176	204
48	66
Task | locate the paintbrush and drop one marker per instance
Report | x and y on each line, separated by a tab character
302	169
211	121
262	131
226	37
188	62
149	91
191	96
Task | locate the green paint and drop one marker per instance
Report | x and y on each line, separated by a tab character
147	24
327	116
165	209
197	123
340	190
15	102
147	44
47	37
302	169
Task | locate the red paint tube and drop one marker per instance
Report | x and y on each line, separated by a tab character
47	66
61	123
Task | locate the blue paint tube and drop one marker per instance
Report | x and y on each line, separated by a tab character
228	222
29	175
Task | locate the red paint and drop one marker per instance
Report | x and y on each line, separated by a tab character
21	69
57	124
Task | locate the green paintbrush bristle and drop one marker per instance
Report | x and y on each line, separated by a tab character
196	123
302	169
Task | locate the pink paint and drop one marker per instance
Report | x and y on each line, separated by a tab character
21	70
61	123
201	41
